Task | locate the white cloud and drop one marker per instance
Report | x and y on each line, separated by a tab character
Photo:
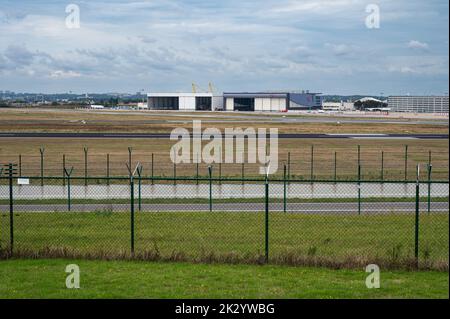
169	43
64	74
414	44
316	6
428	65
341	49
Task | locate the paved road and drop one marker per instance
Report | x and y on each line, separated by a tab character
226	190
167	135
319	208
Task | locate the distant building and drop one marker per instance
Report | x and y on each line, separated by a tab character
338	106
369	99
142	106
97	106
184	101
418	104
271	101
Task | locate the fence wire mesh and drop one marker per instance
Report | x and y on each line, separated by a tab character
340	163
224	219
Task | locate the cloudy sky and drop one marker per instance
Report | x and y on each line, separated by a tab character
165	45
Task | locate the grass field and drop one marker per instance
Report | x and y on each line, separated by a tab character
51	120
127	279
300	239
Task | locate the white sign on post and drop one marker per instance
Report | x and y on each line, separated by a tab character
23	181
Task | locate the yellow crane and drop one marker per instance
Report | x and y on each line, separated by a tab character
197	89
212	88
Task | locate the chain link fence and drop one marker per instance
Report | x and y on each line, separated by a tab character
281	220
307	163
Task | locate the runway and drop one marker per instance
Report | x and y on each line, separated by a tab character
167	136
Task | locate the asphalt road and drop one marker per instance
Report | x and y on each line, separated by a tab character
319	208
167	135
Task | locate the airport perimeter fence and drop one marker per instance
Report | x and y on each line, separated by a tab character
394	224
308	163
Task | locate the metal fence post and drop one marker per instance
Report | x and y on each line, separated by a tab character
416	228
429	157
406	162
68	192
382	166
174	168
139	171
359	155
429	187
210	187
85	149
132	212
152	170
20	165
284	189
11	170
42	150
11	210
312	163
242	172
359	189
130	150
220	166
68	173
289	166
267	219
196	170
107	169
335	166
64	170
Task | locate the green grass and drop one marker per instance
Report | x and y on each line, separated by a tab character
56	201
325	239
133	279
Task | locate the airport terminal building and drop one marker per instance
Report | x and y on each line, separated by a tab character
418	104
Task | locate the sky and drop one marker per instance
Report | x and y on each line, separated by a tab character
238	45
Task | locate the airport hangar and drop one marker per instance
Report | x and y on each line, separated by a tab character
271	101
236	101
184	101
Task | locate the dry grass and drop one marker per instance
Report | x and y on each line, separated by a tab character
38	120
231	258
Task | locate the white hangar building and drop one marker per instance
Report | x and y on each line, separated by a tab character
184	101
272	101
